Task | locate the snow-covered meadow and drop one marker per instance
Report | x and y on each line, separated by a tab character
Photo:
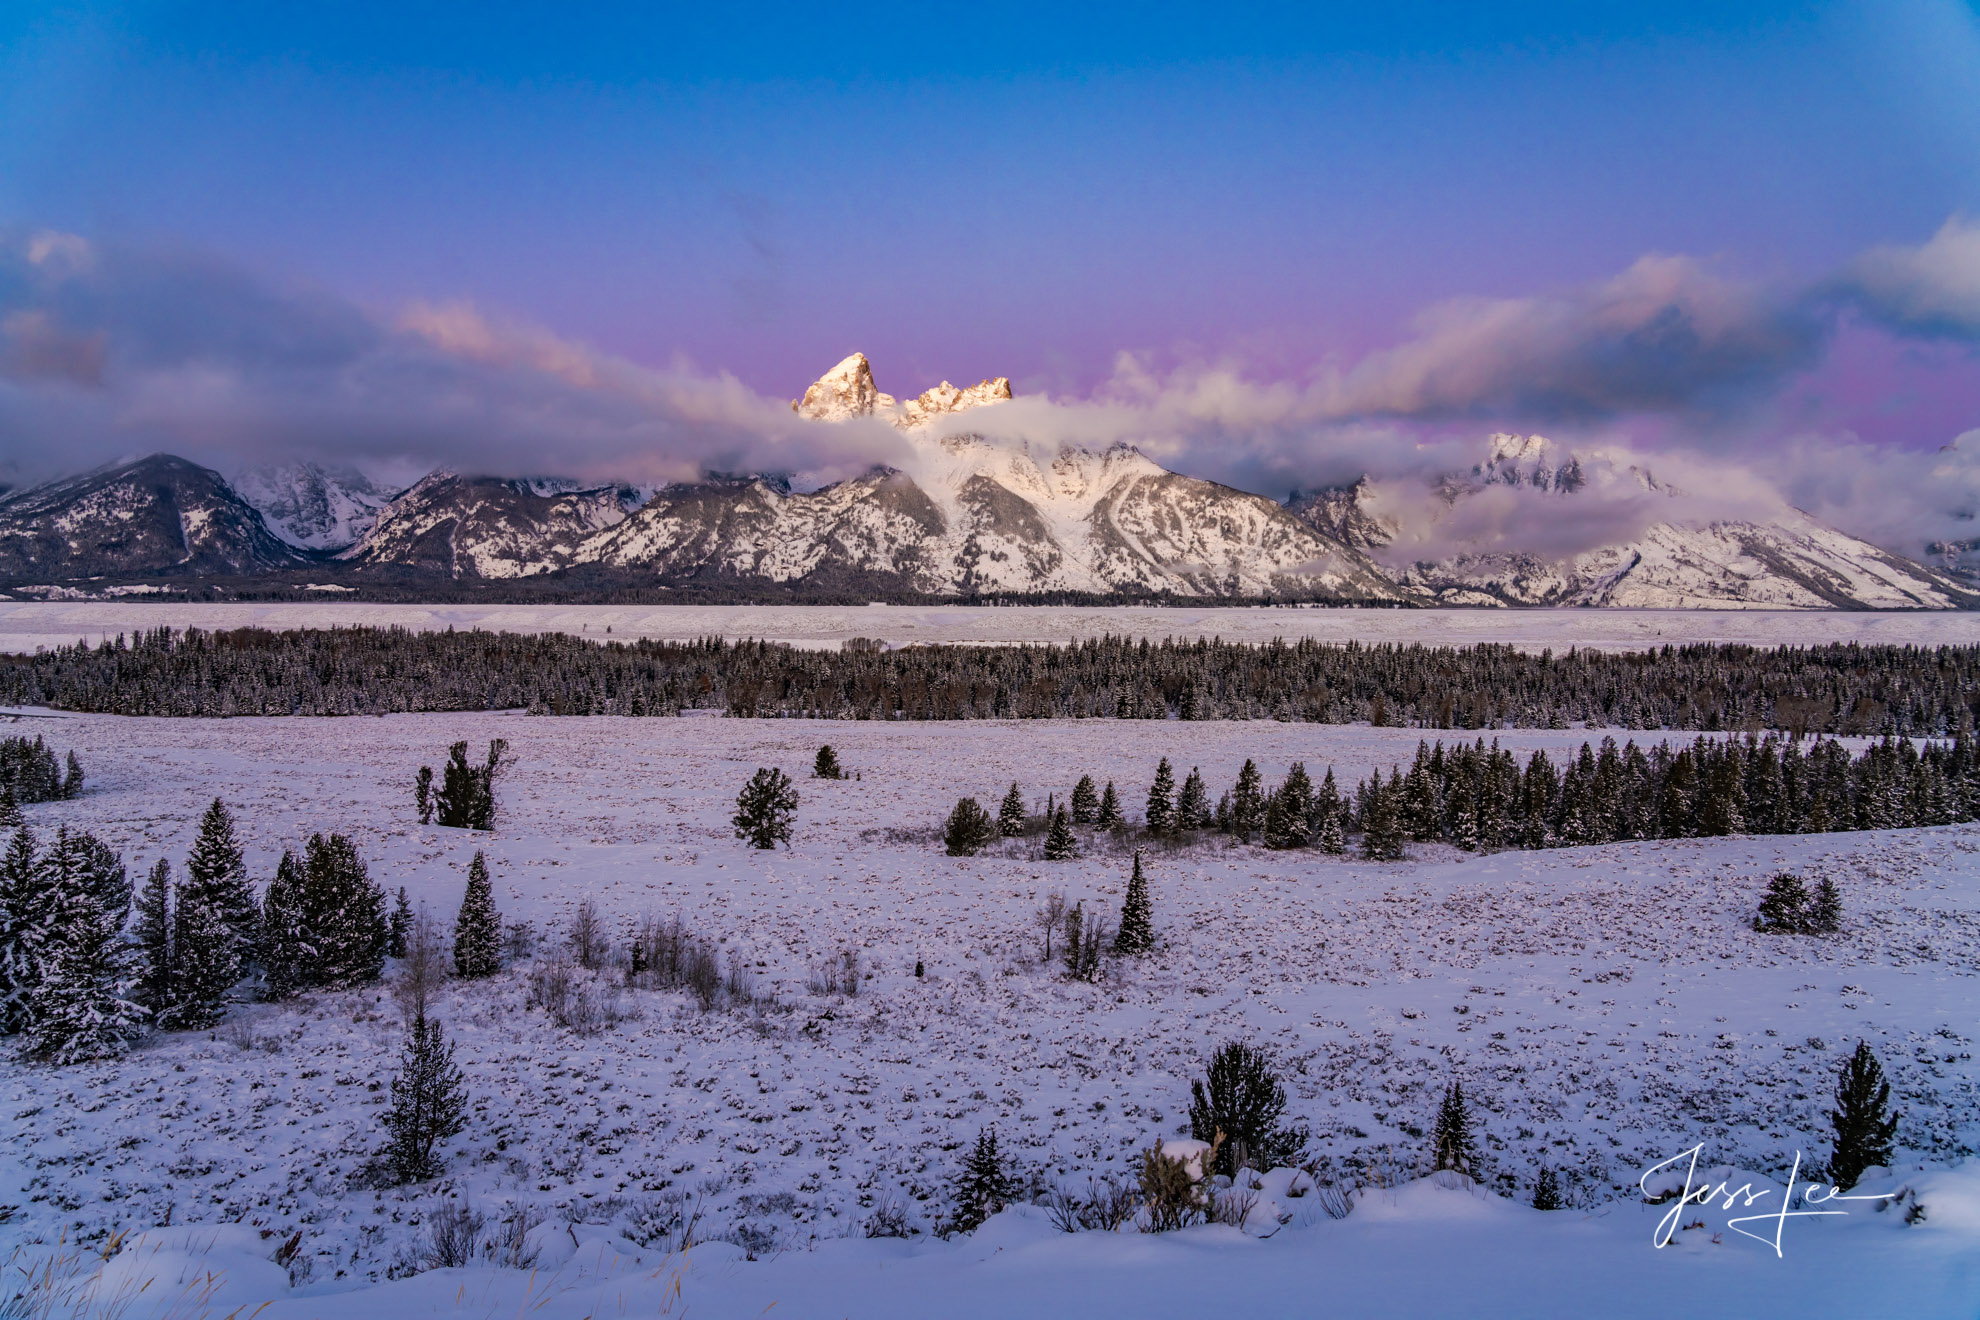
1606	1009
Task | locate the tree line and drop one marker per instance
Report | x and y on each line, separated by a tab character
1831	689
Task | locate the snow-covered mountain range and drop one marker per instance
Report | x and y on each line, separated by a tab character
964	515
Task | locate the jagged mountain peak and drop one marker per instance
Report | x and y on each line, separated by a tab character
844	392
848	390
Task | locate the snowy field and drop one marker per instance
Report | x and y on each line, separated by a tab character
1606	1009
25	626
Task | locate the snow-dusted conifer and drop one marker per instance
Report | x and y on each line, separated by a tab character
217	874
206	960
398	925
1161	812
1865	1127
429	1102
343	911
478	929
1192	803
1110	809
1248	802
764	809
826	765
968	828
10	807
286	950
27	918
1451	1143
984	1186
1060	844
1137	932
152	933
1010	815
1085	801
82	1008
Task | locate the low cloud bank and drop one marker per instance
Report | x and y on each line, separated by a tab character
109	350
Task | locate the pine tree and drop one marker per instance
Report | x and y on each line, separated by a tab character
764	809
286	949
826	766
423	793
1865	1127
1110	809
1825	910
1784	906
1381	833
343	911
152	933
1248	802
1192	804
217	874
984	1187
1010	816
968	829
478	928
1288	810
1137	932
82	1008
1332	840
1161	814
429	1102
1547	1190
1085	801
1060	845
1085	940
27	919
1242	1100
72	779
1451	1144
399	925
466	800
206	960
10	807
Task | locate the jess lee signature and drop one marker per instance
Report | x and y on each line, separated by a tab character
1744	1197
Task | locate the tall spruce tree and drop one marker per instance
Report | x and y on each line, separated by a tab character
968	829
1010	816
344	912
1137	932
1192	804
1288	811
1085	801
27	919
1451	1143
217	874
429	1102
478	928
1865	1127
1161	811
82	1009
1381	832
1248	802
206	959
1060	843
1110	809
286	948
10	807
151	932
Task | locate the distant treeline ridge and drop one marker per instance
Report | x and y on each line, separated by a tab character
1838	689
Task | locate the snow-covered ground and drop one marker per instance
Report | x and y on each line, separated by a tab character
27	625
1606	1009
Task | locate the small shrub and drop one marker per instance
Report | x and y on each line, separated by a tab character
453	1237
888	1219
1169	1191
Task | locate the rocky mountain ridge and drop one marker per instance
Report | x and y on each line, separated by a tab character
966	516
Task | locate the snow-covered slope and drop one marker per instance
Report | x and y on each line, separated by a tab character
156	515
313	506
486	527
1789	561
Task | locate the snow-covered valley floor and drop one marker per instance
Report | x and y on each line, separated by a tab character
1606	1008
